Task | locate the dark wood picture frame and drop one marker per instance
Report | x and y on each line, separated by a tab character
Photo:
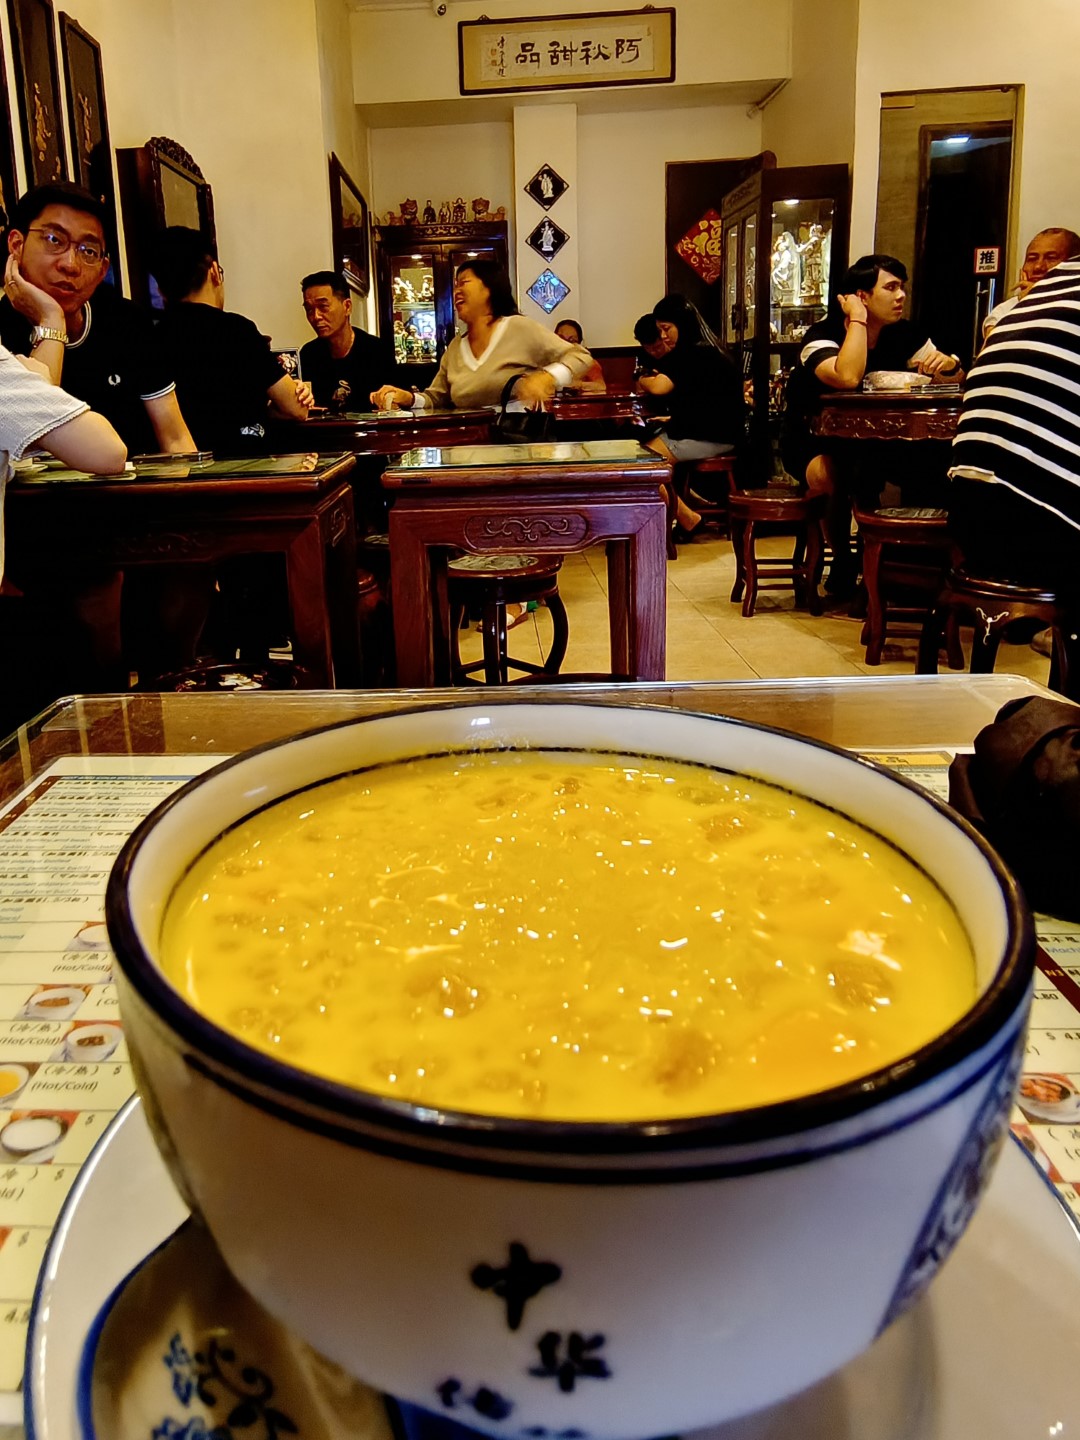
483	42
9	183
37	80
161	184
349	228
88	124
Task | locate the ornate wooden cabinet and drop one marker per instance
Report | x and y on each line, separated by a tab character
415	265
785	248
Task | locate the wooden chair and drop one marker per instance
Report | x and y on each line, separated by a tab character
714	511
998	609
905	554
489	583
777	509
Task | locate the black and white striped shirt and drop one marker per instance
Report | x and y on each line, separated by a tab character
1020	422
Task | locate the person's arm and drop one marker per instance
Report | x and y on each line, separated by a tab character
285	399
40	309
554	361
170	427
929	360
391	397
845	370
656	384
88	442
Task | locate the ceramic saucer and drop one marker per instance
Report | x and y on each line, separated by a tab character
138	1330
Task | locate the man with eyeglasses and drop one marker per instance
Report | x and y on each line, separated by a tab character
106	345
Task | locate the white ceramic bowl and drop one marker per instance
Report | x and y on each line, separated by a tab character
552	1279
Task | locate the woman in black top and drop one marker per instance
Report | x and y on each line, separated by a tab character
698	385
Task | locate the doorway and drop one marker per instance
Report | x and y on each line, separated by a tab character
945	189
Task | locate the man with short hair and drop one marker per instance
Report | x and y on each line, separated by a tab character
863	331
110	359
344	364
226	375
1047	249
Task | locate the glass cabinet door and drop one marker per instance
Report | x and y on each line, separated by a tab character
799	265
412	284
732	288
749	276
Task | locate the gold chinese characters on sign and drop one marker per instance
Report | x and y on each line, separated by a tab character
702	245
621	47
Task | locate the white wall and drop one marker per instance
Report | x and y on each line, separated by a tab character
344	131
621	171
812	120
928	45
440	162
713	43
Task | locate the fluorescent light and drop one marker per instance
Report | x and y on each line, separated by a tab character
957	139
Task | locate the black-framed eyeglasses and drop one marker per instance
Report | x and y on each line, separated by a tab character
57	242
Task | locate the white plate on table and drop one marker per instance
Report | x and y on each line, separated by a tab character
990	1354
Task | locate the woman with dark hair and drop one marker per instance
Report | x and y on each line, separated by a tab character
699	387
498	345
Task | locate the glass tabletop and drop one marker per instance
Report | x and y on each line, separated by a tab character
570	452
49	472
398	417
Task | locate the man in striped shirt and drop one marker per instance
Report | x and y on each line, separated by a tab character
1014	508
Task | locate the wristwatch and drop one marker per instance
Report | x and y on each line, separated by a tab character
47	332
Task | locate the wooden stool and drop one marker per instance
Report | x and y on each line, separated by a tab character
997	607
490	583
777	509
905	550
712	512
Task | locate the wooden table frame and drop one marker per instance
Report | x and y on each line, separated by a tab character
306	517
541	509
929	413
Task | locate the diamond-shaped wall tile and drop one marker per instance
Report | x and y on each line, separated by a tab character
702	245
547	239
548	291
546	186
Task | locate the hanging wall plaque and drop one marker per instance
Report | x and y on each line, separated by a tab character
558	52
37	82
546	187
547	239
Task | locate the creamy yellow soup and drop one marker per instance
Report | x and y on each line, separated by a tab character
567	937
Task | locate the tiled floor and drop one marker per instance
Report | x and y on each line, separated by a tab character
707	637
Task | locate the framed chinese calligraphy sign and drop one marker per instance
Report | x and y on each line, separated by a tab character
560	52
88	122
37	82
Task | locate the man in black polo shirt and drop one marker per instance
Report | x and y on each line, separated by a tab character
864	331
343	365
110	356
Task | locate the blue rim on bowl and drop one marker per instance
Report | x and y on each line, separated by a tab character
428	1135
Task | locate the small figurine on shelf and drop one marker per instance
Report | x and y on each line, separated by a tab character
408	212
404	294
459	208
480	209
784	267
429	214
412	342
499	214
444	213
812	270
390	218
427	286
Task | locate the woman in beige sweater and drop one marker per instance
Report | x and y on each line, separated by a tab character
499	343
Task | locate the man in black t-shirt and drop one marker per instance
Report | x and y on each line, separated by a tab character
110	357
864	332
344	364
226	376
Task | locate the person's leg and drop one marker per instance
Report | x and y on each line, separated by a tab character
685	518
824	478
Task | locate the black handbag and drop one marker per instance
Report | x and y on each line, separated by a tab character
522	427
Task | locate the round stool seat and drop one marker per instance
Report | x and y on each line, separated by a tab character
905	551
997	608
777	508
235	676
490	583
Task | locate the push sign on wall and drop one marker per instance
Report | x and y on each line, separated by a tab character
987	259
